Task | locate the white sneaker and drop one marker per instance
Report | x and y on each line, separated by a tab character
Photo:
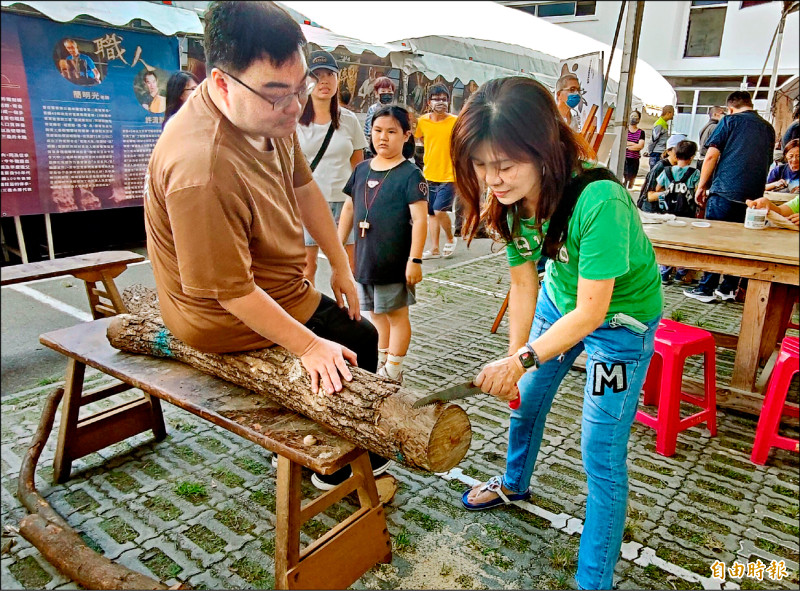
384	374
725	297
429	254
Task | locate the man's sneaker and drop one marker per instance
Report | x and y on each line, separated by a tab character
725	297
379	466
699	295
330	481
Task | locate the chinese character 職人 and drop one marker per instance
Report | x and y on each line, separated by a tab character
109	47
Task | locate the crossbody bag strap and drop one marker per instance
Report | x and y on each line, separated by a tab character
322	148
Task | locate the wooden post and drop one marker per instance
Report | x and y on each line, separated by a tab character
49	231
23	253
630	51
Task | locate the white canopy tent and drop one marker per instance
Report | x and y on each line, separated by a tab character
167	20
480	23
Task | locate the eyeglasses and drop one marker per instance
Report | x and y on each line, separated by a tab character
284	101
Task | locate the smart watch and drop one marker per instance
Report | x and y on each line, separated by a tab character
528	357
415	260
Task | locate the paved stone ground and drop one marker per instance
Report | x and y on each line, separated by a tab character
199	507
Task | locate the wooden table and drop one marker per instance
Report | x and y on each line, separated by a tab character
768	258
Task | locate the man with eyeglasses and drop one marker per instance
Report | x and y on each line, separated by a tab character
227	193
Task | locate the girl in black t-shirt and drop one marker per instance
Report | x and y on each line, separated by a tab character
388	205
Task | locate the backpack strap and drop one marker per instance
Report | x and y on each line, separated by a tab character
668	172
687	174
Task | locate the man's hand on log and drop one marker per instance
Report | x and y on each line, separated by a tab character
499	378
344	288
325	360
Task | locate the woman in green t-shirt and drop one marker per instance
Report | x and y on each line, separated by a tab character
601	293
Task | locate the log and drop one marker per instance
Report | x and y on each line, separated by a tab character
51	535
373	413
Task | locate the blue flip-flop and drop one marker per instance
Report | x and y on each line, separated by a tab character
494	485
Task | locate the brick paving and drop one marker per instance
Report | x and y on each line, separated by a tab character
199	506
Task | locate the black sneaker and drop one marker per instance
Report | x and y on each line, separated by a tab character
725	297
699	295
322	482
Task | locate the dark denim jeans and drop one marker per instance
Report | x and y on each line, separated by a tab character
719	208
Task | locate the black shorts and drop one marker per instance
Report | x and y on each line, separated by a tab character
631	167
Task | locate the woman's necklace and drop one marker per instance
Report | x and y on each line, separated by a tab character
371	184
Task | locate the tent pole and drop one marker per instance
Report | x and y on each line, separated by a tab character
49	232
630	51
23	253
773	79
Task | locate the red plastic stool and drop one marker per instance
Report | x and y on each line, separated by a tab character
675	342
775	404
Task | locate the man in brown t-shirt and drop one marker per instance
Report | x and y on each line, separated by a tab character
227	193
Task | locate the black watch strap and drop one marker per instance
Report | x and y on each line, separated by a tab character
415	260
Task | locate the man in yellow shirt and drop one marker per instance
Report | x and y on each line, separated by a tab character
435	129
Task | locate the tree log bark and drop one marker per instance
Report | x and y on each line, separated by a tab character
52	535
373	413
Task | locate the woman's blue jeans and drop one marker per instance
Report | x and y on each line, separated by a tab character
616	366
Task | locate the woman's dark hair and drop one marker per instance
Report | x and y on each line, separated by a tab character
175	85
307	118
401	115
685	150
791	144
518	117
238	33
384	82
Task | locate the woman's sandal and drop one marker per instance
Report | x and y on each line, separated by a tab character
449	248
502	498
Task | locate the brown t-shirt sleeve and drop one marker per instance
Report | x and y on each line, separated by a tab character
211	231
301	175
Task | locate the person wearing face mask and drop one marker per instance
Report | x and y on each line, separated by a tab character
568	97
633	149
435	129
384	93
601	294
331	139
658	141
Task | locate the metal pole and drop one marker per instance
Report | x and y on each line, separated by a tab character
49	232
695	100
21	239
773	79
630	51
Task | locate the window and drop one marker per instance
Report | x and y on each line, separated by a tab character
706	23
558	9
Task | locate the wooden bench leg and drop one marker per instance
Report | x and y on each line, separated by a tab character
80	437
62	464
287	529
98	307
343	554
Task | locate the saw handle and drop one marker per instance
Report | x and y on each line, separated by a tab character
514	404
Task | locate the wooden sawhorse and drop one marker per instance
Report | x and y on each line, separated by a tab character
335	560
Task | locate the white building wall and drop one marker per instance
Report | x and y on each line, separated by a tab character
745	41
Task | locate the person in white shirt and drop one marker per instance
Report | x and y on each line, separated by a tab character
332	161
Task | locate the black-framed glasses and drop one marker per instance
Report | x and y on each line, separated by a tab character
286	100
